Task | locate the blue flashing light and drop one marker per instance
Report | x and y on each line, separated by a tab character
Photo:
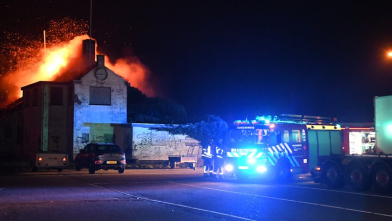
267	121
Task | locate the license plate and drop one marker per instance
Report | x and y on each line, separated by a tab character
111	162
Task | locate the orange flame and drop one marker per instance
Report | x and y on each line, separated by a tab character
65	60
132	71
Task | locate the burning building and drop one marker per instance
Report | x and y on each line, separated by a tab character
87	103
65	115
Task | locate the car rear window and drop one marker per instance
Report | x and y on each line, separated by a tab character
109	149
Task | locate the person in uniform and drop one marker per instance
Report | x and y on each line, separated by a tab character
207	155
219	159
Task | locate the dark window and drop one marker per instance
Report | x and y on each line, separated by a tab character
26	99
56	96
109	149
90	148
35	97
19	135
70	95
7	131
100	96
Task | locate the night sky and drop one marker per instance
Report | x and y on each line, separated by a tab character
239	59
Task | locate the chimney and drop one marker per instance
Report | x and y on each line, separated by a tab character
100	60
89	52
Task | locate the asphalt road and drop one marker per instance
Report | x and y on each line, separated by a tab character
178	194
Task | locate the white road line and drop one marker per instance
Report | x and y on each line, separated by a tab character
175	204
288	200
338	191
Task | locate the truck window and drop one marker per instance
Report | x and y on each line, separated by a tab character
286	136
295	136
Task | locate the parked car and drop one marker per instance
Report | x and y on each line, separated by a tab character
96	156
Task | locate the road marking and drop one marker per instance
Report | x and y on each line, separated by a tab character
338	191
175	204
288	200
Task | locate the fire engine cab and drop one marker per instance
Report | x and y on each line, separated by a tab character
275	148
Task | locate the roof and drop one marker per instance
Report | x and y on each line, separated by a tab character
11	108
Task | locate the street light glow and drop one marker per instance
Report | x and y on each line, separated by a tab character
389	54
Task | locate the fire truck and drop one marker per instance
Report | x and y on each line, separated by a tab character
274	148
370	166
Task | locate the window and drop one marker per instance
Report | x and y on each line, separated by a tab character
56	96
26	99
100	96
35	97
70	95
286	136
7	131
295	136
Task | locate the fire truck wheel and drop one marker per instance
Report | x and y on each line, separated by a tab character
382	180
91	169
357	178
283	173
333	177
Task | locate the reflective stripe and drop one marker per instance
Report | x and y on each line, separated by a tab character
272	162
251	154
288	148
259	155
254	155
295	160
272	155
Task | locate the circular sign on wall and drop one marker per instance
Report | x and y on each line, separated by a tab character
101	74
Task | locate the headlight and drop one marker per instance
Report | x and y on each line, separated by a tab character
251	160
229	168
261	169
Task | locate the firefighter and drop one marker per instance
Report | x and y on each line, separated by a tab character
207	155
219	160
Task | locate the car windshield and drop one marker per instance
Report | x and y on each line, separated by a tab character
109	149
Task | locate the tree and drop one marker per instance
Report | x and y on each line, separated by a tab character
142	109
211	127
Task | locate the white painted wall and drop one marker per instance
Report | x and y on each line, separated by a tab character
150	144
85	114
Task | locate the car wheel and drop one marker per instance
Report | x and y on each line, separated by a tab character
77	166
91	169
382	180
121	170
172	165
333	177
34	168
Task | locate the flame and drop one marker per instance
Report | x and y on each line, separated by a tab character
63	61
132	71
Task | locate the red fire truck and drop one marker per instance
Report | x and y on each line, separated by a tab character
275	148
